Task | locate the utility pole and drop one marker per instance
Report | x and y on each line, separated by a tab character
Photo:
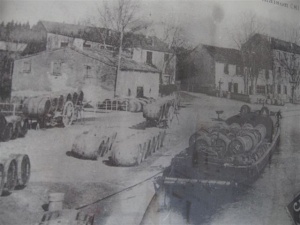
119	62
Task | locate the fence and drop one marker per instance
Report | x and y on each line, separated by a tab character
11	108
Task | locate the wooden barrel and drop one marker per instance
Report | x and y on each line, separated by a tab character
23	168
60	103
252	135
54	104
202	143
240	145
74	97
262	130
36	106
2	178
80	97
10	171
221	144
247	126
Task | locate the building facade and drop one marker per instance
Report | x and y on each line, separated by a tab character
66	69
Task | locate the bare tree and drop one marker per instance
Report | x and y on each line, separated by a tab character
119	16
175	37
289	60
246	28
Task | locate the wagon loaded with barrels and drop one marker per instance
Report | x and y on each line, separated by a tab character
234	152
53	109
161	112
14	172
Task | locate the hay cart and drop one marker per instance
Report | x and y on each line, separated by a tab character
160	113
55	109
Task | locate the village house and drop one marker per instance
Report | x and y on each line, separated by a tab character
93	71
209	68
282	61
141	48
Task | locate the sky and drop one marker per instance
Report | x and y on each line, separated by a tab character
204	21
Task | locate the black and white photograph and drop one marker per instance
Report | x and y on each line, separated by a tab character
149	112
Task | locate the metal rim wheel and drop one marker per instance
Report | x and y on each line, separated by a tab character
1	179
7	133
68	113
24	164
140	155
170	117
24	128
11	175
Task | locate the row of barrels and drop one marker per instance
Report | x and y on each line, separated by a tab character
137	147
248	159
14	172
223	141
271	101
131	105
39	106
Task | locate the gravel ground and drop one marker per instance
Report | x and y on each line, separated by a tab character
85	181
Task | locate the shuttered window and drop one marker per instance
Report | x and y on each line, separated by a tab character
56	68
26	66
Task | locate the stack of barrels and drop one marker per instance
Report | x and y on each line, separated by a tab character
14	172
222	140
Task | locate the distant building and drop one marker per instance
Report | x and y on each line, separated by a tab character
93	71
141	48
209	68
275	75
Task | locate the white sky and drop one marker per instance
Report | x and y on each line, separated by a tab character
204	21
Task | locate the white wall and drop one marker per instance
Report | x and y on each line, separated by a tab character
230	77
140	55
133	79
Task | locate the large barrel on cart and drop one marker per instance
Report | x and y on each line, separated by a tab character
54	108
161	112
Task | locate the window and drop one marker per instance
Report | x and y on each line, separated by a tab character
64	44
56	68
229	86
279	89
260	89
226	70
26	66
267	74
149	58
167	56
285	90
235	87
238	70
86	45
88	71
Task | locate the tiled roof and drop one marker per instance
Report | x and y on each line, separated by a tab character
92	34
276	43
126	63
224	55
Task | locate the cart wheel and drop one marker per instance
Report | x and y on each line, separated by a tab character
1	178
24	128
68	114
170	115
7	133
11	175
23	168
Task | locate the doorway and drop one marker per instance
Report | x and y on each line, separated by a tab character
140	92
